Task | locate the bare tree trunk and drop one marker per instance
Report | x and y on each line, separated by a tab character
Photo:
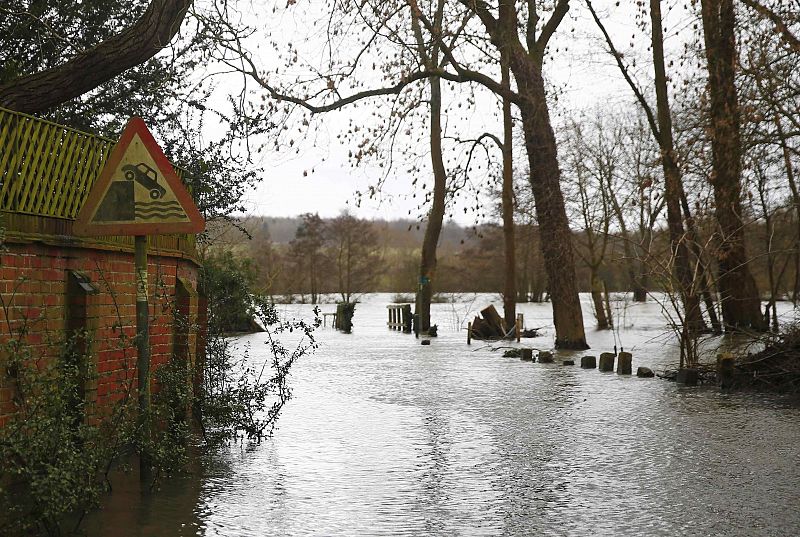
639	292
540	145
634	279
427	266
555	235
787	161
433	229
524	285
741	305
672	178
702	269
661	127
773	286
597	299
313	281
607	300
99	64
510	280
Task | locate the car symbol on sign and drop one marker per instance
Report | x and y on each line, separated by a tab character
145	176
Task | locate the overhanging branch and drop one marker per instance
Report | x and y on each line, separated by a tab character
89	69
651	120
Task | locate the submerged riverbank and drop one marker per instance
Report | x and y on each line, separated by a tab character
387	437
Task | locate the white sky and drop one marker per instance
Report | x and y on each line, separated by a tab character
584	71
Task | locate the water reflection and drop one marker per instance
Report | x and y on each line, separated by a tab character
386	437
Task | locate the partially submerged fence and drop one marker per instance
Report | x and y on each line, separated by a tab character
400	317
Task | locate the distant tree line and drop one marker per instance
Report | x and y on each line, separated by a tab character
347	256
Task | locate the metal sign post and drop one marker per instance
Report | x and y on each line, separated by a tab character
139	194
142	351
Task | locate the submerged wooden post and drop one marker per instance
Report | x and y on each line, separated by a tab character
407	318
527	355
624	366
606	361
688	376
588	362
726	369
545	357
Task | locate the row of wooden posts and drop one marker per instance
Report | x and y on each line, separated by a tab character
402	318
624	362
726	366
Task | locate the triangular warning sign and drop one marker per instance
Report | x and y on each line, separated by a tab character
138	192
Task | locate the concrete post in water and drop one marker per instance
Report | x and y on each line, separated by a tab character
568	362
726	370
607	361
624	363
644	372
527	355
688	376
545	357
588	362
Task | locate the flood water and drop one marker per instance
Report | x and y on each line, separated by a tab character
388	437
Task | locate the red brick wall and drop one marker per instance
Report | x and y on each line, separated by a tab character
33	288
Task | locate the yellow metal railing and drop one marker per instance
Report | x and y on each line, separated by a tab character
47	171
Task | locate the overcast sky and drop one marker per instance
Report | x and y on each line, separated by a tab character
580	67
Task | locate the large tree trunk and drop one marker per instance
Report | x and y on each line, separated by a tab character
597	300
99	64
741	305
555	235
692	316
427	266
510	280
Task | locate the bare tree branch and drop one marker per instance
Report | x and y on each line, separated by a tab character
774	18
549	28
651	120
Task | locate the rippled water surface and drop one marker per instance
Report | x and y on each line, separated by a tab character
388	437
